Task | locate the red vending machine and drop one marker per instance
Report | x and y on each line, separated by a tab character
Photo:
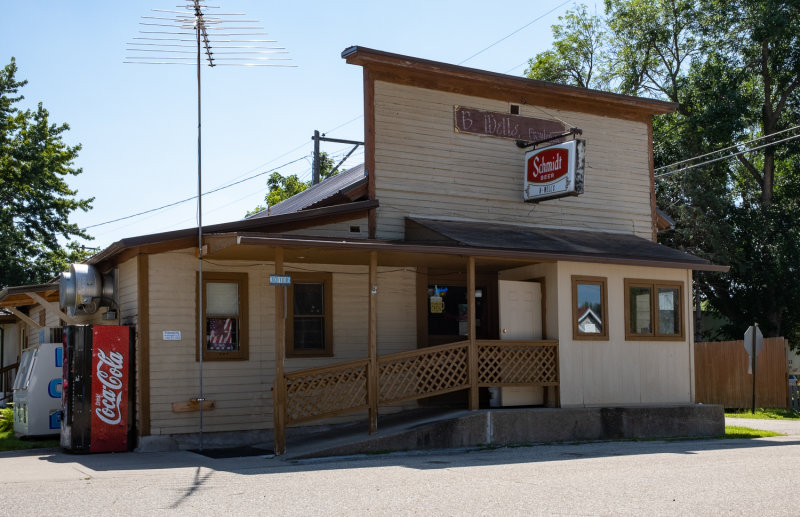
98	389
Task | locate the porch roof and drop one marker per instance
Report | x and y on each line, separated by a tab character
440	243
558	243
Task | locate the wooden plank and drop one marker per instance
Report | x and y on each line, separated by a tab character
279	391
54	308
372	371
473	343
23	317
721	374
190	406
143	338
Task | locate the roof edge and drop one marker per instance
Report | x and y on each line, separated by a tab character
366	57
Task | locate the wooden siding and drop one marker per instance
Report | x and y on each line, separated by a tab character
127	282
424	168
721	375
241	389
620	372
340	230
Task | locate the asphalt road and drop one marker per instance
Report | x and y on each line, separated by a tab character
700	477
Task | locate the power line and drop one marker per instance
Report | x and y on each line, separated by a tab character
735	146
194	197
727	157
516	31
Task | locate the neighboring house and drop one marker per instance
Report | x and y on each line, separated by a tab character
421	273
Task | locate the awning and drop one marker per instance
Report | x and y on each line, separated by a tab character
553	243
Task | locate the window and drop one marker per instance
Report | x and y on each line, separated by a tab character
590	308
654	310
225	316
309	327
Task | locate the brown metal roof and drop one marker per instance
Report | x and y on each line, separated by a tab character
334	190
281	222
577	245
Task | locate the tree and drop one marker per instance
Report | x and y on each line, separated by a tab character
281	187
734	68
35	201
579	52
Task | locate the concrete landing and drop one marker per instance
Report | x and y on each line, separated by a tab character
461	429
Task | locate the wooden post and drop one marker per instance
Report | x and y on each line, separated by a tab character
372	372
474	402
279	388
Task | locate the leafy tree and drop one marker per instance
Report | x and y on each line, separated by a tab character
734	67
35	201
283	187
579	52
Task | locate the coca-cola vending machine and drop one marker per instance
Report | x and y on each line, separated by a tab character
98	389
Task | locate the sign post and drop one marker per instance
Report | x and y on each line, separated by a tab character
753	343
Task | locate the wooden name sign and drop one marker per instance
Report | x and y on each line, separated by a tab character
504	125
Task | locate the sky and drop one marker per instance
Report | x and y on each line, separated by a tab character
137	123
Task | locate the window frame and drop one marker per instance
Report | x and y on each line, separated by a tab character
326	279
590	280
243	354
654	285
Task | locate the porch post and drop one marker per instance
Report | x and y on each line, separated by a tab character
473	343
279	387
372	372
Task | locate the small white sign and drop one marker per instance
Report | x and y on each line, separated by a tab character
172	335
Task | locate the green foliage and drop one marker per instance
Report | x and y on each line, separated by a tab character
578	55
7	418
766	414
734	68
735	432
35	202
281	187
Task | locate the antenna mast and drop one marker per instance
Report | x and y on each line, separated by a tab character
192	36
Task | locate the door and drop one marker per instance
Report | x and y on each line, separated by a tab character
520	319
520	309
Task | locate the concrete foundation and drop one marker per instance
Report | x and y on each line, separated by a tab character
459	429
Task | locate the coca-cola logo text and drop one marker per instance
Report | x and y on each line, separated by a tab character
110	372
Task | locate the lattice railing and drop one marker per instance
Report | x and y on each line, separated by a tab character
327	391
337	389
517	363
423	373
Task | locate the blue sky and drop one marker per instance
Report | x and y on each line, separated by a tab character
138	123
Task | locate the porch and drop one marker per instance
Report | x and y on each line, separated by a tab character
330	391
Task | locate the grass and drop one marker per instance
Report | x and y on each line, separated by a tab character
735	432
766	414
9	442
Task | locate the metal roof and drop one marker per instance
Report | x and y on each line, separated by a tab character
560	244
327	192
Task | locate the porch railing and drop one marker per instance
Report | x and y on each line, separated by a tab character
342	388
7	374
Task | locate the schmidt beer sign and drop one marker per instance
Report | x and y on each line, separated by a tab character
554	171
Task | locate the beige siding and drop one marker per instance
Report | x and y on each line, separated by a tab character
424	168
241	389
341	230
128	295
617	371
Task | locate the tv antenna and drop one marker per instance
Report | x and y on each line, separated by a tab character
192	35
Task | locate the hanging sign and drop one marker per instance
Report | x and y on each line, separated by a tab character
554	171
504	125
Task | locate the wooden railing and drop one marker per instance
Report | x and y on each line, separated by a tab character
338	389
7	374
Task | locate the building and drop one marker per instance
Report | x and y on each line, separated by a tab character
424	272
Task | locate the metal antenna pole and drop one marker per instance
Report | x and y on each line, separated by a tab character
200	399
184	37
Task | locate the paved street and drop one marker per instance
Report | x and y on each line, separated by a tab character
702	477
